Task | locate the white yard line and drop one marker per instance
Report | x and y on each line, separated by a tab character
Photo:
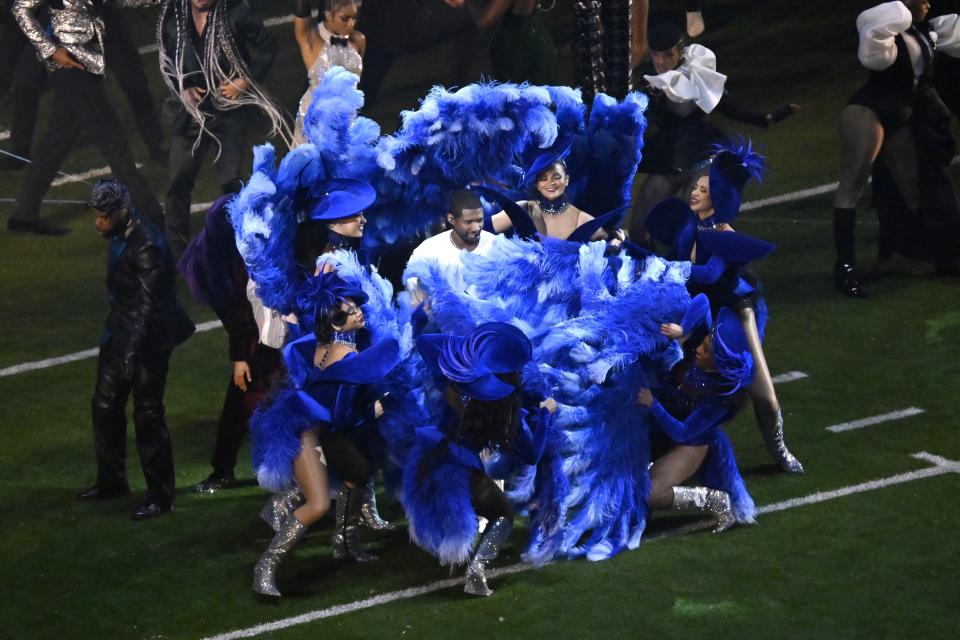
866	422
941	466
79	355
81	177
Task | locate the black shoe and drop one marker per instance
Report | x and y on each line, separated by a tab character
150	510
96	493
35	226
215	482
847	281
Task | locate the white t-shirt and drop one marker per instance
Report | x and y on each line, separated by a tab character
440	249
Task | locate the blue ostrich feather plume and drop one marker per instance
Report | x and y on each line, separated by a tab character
275	429
438	507
753	162
613	150
719	471
264	227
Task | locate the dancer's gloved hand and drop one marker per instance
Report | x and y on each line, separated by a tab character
303	8
782	113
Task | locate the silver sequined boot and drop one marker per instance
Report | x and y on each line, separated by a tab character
265	571
369	516
703	499
279	506
346	543
771	426
488	548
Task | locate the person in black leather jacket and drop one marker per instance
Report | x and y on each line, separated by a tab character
145	323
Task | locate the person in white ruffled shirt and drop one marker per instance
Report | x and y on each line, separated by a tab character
897	114
685	88
333	42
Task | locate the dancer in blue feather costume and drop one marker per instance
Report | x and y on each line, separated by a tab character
325	398
445	486
702	232
690	412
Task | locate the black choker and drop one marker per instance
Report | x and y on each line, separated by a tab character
338	241
553	207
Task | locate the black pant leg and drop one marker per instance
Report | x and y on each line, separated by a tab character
100	121
125	65
107	408
61	134
28	81
12	45
231	167
230	430
153	438
183	169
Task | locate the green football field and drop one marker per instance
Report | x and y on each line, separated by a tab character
864	545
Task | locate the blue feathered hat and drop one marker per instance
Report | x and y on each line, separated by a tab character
472	361
730	169
609	221
341	198
544	161
325	291
731	351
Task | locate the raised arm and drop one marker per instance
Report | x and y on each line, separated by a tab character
305	31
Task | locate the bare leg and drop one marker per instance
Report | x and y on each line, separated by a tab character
766	406
674	468
311	475
861	138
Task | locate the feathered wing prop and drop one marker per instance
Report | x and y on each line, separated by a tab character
614	148
267	210
454	139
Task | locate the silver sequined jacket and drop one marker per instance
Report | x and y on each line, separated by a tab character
75	25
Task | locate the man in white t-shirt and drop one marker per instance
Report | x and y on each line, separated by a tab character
465	219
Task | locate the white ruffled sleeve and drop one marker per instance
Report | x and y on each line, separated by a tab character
947	29
695	80
878	26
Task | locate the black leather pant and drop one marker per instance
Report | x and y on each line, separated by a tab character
110	423
488	500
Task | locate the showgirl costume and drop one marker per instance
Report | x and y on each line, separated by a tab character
337	52
445	484
720	258
692	410
679	135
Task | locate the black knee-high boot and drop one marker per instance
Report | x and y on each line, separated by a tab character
844	270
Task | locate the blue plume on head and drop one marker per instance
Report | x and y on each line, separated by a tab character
754	163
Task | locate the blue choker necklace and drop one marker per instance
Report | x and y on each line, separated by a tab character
338	241
348	338
553	207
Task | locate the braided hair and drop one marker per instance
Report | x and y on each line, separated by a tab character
219	42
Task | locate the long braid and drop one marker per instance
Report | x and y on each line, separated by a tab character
219	41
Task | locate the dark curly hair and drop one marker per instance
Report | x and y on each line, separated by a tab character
492	423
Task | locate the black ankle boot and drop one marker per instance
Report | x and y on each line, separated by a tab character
847	281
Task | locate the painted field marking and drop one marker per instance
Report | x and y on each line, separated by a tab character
4	135
81	177
940	467
79	355
866	422
789	376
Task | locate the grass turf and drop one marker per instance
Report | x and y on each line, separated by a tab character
872	565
